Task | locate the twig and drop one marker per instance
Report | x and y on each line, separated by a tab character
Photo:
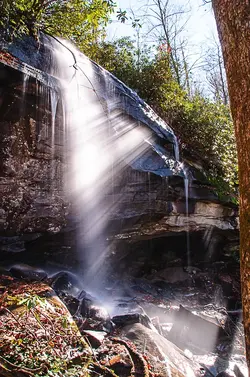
104	371
61	43
21	368
136	359
10	312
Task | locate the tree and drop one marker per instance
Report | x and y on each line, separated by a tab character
233	18
167	21
80	21
215	72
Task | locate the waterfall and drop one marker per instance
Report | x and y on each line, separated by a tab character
53	106
87	132
108	127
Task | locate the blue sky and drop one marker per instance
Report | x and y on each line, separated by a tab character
200	27
199	32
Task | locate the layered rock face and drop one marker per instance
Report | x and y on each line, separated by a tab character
147	199
32	189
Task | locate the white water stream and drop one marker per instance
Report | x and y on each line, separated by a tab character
186	186
24	92
100	141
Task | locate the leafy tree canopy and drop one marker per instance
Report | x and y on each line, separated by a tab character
81	21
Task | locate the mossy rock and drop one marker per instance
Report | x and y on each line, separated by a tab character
38	336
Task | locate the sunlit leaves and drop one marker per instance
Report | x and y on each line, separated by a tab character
122	15
81	21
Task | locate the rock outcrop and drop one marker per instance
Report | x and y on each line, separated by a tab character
147	199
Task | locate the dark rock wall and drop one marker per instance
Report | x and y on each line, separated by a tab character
31	168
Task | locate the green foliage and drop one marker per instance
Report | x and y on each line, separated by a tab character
122	15
81	21
206	130
118	58
127	63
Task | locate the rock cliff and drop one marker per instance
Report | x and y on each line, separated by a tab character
149	190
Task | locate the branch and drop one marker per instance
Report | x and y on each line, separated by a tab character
22	369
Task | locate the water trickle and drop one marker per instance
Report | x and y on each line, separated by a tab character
149	196
53	106
167	191
25	82
186	186
150	207
53	102
24	91
176	149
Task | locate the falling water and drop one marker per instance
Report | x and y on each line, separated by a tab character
53	102
176	149
150	208
24	91
53	107
87	133
186	186
102	139
25	81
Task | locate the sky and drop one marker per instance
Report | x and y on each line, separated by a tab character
201	25
199	32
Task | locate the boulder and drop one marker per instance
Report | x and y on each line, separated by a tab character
156	347
26	272
187	329
38	333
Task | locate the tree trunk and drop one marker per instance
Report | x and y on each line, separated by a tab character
233	23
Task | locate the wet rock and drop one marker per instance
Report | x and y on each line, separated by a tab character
26	272
187	330
66	282
143	286
214	364
129	319
173	274
72	303
29	237
156	347
14	247
98	313
237	371
161	284
225	374
97	317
